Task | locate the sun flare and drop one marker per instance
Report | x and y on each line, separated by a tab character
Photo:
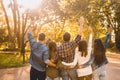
29	4
26	4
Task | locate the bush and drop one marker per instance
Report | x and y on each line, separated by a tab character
9	49
8	60
111	45
113	49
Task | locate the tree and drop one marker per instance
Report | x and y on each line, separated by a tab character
116	24
106	12
6	17
2	36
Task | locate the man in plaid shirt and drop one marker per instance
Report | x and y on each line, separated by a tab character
66	52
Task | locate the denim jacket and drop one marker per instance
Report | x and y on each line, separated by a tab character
107	39
39	54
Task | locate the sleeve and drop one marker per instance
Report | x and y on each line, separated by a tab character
90	61
46	56
72	63
76	41
30	37
107	39
33	43
90	44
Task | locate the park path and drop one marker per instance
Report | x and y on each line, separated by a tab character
22	73
113	67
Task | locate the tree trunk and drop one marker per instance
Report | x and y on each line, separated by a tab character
6	18
18	30
14	11
117	39
22	39
23	43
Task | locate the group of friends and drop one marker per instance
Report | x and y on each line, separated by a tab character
72	60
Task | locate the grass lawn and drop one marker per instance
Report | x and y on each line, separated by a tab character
8	60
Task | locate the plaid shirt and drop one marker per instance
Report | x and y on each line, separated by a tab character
66	51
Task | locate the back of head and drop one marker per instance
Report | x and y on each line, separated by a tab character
47	42
82	47
99	51
52	46
41	37
66	37
98	46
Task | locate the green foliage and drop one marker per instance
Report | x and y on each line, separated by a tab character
103	13
73	9
3	37
54	17
10	49
8	60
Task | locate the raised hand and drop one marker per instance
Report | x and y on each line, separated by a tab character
110	29
30	29
81	20
31	26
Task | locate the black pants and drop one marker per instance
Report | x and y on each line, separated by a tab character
37	75
88	77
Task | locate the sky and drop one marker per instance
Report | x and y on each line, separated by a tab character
26	4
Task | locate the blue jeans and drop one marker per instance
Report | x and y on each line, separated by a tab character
100	73
68	74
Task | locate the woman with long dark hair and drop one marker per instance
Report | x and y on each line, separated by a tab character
84	55
100	58
52	72
99	51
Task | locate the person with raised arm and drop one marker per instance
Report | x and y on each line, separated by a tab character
39	56
66	52
98	58
81	57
